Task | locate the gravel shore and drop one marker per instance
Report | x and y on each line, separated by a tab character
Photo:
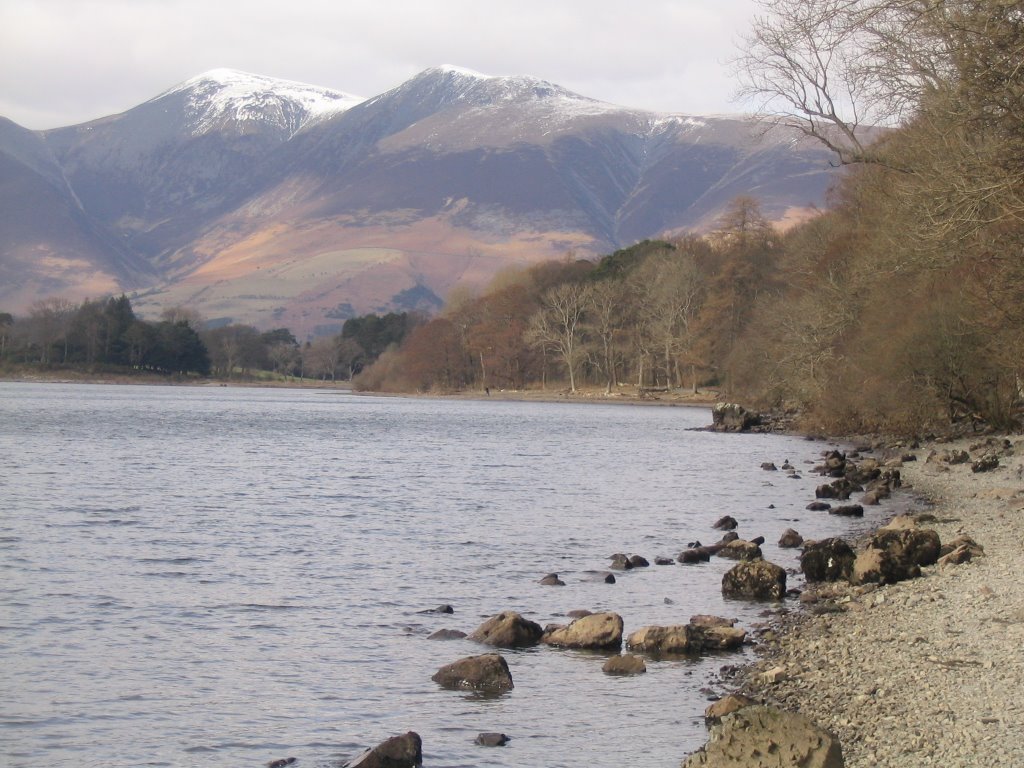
927	672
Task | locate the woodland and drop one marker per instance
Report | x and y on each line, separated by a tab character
899	308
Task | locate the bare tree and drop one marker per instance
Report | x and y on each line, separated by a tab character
557	325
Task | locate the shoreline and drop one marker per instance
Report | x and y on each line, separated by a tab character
924	672
625	396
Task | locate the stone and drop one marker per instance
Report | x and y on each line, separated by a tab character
760	736
552	580
578	613
721	638
986	463
609	579
827	560
769	466
492	740
508	630
880	566
740	550
620	562
916	546
637	561
731	417
706	620
900	522
755	580
694	555
447	634
626	664
790	539
488	673
819	506
963	540
664	561
725	706
726	523
282	762
848	510
598	631
962	554
679	638
397	752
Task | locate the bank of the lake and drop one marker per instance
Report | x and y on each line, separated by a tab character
926	672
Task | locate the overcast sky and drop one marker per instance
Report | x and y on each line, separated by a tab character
67	61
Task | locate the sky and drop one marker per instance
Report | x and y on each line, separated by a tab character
64	62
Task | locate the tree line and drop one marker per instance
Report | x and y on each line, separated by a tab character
656	315
106	335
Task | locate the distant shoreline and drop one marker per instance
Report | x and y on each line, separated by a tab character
624	396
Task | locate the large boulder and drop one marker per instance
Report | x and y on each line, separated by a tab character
488	673
879	566
766	737
727	523
598	631
915	546
397	752
755	580
827	560
508	630
730	417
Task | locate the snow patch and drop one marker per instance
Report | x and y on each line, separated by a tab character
228	97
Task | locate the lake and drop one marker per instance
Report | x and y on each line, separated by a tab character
226	576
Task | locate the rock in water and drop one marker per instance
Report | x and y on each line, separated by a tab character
488	673
626	664
397	752
508	630
598	631
767	737
755	580
492	740
790	539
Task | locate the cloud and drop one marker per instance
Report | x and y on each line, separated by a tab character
66	61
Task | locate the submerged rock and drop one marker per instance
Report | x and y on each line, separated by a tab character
404	751
488	673
447	634
626	664
491	740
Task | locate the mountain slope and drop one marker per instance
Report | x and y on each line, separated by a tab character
50	245
274	203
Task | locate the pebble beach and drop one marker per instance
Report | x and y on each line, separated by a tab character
925	672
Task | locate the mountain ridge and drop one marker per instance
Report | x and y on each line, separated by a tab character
265	201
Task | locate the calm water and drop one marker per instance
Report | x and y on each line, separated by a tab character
223	577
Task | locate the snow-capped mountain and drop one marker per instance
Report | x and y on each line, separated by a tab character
277	203
227	99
